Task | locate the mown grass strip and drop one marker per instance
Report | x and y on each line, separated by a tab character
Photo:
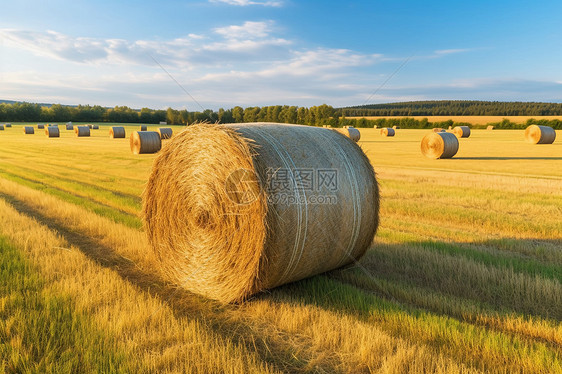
40	331
102	210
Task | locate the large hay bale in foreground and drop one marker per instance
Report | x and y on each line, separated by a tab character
40	126
461	131
387	131
52	132
165	132
439	145
536	134
117	132
351	132
28	130
231	210
145	142
81	131
143	128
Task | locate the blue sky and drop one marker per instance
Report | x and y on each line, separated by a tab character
267	52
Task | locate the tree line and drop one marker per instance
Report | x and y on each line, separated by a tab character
455	108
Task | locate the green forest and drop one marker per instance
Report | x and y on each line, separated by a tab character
315	115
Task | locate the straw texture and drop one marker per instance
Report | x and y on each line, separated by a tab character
81	131
387	131
439	145
117	132
165	132
52	132
28	130
461	131
145	142
220	226
350	132
535	134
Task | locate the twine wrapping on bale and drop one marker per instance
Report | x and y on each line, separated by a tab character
28	130
490	127
439	145
69	127
145	142
165	132
536	134
82	131
461	131
229	211
387	131
117	132
143	128
351	132
40	126
52	132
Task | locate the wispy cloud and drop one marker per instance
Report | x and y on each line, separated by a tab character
249	2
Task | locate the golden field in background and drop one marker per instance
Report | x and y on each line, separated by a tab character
475	120
464	274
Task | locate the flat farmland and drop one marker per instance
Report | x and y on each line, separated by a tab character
475	120
464	274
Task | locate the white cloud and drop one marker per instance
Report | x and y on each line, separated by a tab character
249	2
250	30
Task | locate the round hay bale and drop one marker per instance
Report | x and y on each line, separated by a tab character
81	131
439	145
52	132
387	131
143	128
327	126
1	127
95	127
438	129
351	132
450	128
40	126
490	127
117	132
536	134
229	212
69	127
395	127
165	132
145	142
461	131
8	125
28	130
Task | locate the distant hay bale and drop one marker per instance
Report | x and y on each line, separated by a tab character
395	127
69	127
165	132
327	126
438	129
450	128
52	132
351	132
90	126
490	127
387	131
81	131
536	134
461	131
8	125
28	130
145	142
143	128
1	127
117	132
95	127
229	213
439	145
40	126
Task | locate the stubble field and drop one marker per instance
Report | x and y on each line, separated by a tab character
464	275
